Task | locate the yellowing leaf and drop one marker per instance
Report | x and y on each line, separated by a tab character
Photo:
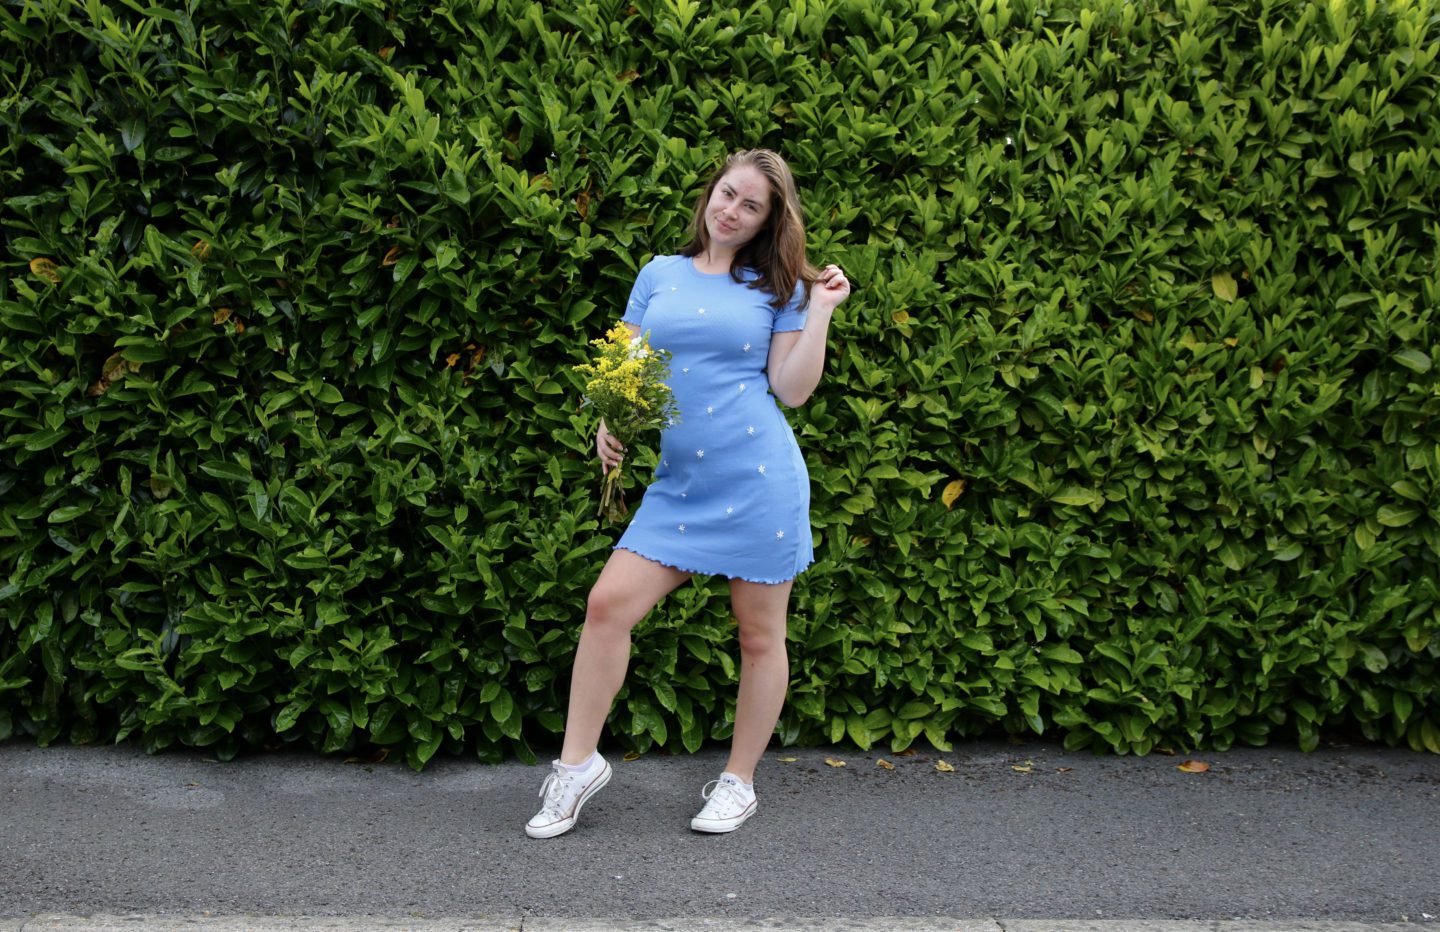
1224	285
632	755
46	269
451	360
1193	766
952	492
391	257
1146	316
884	764
1231	341
114	368
1022	768
787	760
1063	769
834	763
901	317
944	766
201	249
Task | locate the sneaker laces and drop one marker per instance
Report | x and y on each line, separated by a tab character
554	792
717	793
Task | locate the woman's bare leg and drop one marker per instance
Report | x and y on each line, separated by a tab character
627	589
764	670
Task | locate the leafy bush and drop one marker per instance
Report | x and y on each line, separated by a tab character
1128	435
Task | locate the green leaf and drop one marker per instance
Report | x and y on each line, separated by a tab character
68	513
1223	284
1397	515
1412	359
286	718
222	469
1079	497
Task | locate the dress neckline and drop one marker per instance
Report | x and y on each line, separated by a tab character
690	263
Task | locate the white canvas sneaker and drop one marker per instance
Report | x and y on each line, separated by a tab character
727	805
564	792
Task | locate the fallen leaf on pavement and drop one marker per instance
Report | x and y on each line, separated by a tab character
908	752
1193	766
1168	752
884	764
944	767
631	755
834	763
1022	768
1063	769
787	760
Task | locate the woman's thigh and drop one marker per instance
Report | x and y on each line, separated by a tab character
760	607
630	585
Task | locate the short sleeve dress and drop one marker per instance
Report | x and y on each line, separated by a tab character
731	494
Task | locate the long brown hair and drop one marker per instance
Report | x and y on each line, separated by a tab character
777	252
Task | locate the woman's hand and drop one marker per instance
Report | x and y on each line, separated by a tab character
610	450
829	289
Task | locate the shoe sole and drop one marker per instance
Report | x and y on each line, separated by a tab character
720	827
565	825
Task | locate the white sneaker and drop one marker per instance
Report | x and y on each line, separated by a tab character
564	792
727	805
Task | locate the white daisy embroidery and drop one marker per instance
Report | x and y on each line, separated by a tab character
682	529
750	431
686	370
779	535
746	347
699	454
761	469
710	410
673	288
729	511
742	386
684	494
700	311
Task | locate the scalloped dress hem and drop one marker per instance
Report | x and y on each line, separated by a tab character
684	569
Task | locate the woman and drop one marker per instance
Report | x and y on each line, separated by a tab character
745	317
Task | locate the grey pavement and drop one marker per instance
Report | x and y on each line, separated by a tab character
1018	838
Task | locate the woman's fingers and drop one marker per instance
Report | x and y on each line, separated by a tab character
610	451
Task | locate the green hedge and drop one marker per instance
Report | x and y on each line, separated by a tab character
1128	435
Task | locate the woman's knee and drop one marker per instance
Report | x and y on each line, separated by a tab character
608	608
762	638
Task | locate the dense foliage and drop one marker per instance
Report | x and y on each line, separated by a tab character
1128	434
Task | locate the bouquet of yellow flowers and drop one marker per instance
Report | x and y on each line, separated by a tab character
626	386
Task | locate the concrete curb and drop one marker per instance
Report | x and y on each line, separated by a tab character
161	923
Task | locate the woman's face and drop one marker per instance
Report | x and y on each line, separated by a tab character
738	207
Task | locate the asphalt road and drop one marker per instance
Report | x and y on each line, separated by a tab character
1021	831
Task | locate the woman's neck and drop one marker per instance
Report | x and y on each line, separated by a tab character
712	260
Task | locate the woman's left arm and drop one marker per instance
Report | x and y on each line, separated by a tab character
797	358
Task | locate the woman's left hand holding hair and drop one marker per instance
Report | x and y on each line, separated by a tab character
829	289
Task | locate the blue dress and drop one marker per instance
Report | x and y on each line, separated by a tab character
731	494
